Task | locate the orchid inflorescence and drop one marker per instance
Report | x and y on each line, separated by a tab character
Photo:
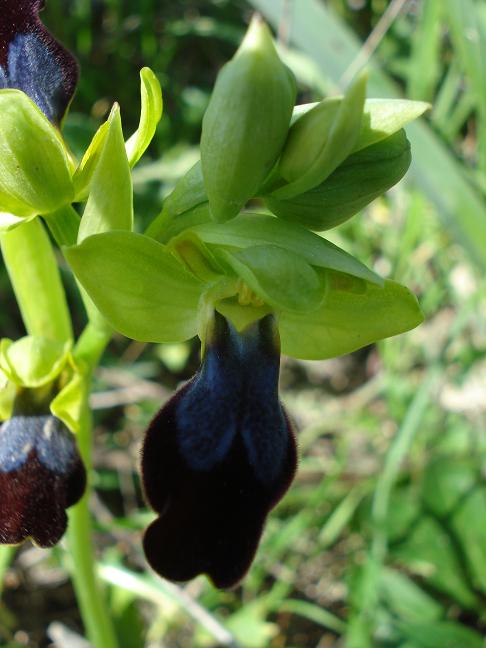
233	257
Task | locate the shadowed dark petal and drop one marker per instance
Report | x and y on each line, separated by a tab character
31	60
217	458
41	474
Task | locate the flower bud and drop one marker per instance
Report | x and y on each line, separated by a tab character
353	185
35	174
321	140
246	123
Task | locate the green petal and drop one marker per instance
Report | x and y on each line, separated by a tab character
248	230
33	361
281	278
151	112
138	286
35	172
110	202
353	315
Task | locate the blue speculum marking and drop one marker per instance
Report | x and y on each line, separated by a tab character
33	69
235	392
53	443
31	60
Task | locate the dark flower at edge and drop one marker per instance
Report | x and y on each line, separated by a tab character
41	474
218	457
31	59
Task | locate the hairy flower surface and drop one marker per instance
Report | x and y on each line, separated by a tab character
41	474
218	456
31	60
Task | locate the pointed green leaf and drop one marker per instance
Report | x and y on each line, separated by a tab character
32	361
138	286
35	170
279	277
110	202
430	552
151	112
250	229
446	481
354	313
470	529
406	599
446	634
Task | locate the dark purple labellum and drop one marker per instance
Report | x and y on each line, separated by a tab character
217	458
31	60
41	474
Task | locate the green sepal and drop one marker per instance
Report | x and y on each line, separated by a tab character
354	313
84	172
246	122
138	286
8	391
307	137
340	135
110	202
281	278
381	117
33	361
150	115
165	226
35	167
70	401
361	178
384	117
251	229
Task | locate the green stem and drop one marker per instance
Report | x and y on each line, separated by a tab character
7	553
33	271
63	225
82	558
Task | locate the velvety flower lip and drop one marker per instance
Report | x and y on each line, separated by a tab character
41	474
31	59
217	458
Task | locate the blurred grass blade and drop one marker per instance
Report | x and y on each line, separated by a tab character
424	65
323	36
469	39
314	613
161	593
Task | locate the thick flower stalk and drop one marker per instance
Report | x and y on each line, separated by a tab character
218	457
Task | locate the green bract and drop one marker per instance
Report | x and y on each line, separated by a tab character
47	368
151	112
361	178
246	123
110	201
35	168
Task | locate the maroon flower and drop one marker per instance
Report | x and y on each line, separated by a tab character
41	474
217	458
31	59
